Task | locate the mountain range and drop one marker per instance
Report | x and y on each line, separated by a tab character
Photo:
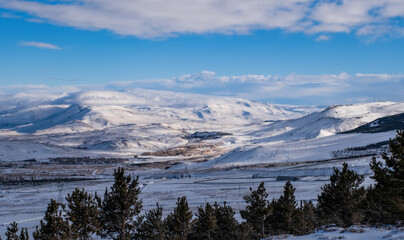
170	125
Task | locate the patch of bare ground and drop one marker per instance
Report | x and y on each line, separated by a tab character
191	149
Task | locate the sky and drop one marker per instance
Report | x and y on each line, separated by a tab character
289	51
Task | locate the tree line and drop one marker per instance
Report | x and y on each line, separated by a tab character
343	202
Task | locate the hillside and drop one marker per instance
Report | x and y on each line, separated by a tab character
394	122
167	125
133	122
328	122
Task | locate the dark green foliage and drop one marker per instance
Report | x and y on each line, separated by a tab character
120	206
152	225
226	223
339	201
257	209
304	220
310	217
282	219
385	200
205	224
12	231
24	234
178	222
246	232
53	226
82	213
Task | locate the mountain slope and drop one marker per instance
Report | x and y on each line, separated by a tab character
100	109
394	122
137	121
327	122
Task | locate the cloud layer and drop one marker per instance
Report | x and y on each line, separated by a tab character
324	89
39	45
165	18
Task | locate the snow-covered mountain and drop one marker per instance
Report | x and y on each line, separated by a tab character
330	121
92	110
114	123
314	137
135	121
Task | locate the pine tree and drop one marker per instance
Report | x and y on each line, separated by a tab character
246	232
23	234
53	226
226	223
304	220
82	213
178	222
257	209
205	223
120	206
385	200
152	225
339	200
282	217
12	231
310	217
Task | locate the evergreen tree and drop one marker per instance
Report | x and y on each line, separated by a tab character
205	223
152	225
53	226
304	219
226	223
257	209
23	234
385	200
282	217
12	231
120	206
310	217
339	200
246	232
178	222
82	213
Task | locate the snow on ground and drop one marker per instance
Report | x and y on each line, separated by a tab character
327	122
351	233
130	123
317	149
166	186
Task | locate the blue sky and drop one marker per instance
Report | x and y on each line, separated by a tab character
294	51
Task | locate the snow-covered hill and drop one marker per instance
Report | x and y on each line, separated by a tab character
328	122
135	121
311	138
100	109
115	123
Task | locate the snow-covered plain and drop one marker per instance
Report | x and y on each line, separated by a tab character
226	145
351	233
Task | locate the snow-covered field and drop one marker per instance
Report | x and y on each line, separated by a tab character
226	145
26	203
351	233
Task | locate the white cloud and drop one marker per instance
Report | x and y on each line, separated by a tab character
323	38
248	86
39	45
161	18
165	18
313	89
378	31
9	15
384	77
